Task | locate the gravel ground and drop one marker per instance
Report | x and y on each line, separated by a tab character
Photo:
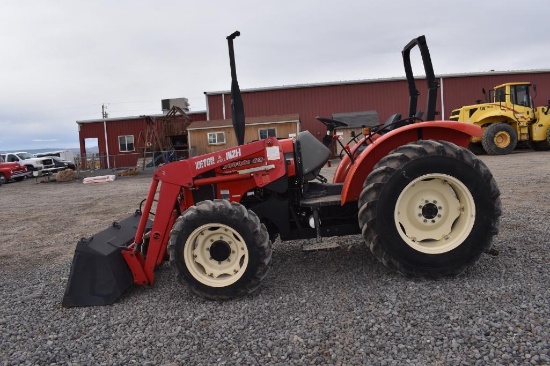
337	307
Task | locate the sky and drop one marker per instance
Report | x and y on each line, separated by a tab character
61	60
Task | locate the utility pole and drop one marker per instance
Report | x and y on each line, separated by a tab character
105	115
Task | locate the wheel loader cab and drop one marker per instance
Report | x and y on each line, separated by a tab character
311	155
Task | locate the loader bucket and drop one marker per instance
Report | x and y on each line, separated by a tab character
99	274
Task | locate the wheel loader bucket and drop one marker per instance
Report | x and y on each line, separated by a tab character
99	274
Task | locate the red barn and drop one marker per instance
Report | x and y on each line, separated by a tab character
125	140
385	96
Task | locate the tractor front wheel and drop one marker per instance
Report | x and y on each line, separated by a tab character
220	249
429	209
499	139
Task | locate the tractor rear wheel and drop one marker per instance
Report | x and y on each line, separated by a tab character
429	209
220	249
499	139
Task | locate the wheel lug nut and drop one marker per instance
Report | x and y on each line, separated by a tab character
435	202
419	215
439	215
439	207
425	220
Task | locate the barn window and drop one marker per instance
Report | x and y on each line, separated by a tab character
267	132
126	143
216	138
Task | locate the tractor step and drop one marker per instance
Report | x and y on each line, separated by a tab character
316	202
322	194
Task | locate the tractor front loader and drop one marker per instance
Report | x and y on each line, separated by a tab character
423	203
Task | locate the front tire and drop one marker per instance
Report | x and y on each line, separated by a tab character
429	209
499	139
220	250
2	179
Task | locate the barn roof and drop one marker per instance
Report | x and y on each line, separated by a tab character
380	80
286	118
114	119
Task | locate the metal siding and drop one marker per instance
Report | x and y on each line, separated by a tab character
215	110
114	130
386	97
197	116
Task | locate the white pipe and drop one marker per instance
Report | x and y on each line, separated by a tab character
223	105
442	100
207	107
106	141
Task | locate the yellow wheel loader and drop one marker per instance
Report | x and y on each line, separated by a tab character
508	118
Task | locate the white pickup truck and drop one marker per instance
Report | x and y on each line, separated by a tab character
29	161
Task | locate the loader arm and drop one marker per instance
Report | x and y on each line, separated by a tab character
178	179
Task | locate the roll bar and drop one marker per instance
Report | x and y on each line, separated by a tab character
430	78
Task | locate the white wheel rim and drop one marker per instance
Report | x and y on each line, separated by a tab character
435	213
216	255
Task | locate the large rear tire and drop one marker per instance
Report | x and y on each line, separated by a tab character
220	250
499	139
429	209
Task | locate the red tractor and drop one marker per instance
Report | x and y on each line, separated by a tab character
423	203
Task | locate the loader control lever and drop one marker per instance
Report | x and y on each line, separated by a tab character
332	124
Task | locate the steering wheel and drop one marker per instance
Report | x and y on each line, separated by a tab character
333	122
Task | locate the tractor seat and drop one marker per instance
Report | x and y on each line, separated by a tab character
392	122
311	155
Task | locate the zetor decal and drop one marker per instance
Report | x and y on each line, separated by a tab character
204	163
209	161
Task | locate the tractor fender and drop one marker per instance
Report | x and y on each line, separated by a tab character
354	176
